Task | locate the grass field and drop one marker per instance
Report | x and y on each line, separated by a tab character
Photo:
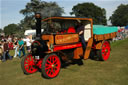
111	72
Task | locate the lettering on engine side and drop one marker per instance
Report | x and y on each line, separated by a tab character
67	38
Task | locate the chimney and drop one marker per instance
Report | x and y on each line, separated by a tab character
38	25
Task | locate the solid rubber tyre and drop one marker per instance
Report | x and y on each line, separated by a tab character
92	54
104	53
28	65
51	66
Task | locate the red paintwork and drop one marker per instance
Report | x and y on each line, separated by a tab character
29	64
64	31
39	63
71	30
63	47
105	50
52	66
36	42
94	46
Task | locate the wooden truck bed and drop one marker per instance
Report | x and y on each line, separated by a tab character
104	36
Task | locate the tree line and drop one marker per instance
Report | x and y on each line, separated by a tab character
49	9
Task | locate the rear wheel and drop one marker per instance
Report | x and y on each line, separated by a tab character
51	66
104	52
28	64
92	54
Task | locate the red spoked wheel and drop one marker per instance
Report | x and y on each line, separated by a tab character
28	64
104	52
51	66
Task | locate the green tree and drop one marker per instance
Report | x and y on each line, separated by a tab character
11	29
120	16
90	10
1	30
35	6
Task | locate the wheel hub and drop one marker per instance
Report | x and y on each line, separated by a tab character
53	66
106	50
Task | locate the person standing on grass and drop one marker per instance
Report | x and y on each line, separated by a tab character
6	51
21	47
28	43
10	44
15	47
1	53
1	50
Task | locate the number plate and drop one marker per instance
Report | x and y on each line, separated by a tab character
37	57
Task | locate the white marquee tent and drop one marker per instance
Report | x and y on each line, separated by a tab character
31	32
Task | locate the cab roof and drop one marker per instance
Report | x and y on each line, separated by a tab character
66	18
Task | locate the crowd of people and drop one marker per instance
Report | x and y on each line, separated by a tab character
13	43
121	34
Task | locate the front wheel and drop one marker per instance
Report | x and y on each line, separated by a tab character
28	64
104	52
51	66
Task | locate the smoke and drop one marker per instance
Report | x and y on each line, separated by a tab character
50	11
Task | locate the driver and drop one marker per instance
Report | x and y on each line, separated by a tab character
80	31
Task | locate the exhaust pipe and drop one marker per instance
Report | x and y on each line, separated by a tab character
38	25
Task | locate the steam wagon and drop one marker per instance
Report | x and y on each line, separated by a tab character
54	46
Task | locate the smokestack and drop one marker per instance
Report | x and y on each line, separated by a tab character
38	25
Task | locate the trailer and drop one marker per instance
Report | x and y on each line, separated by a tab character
53	48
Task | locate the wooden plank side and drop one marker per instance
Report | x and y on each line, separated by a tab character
99	37
78	52
98	45
88	48
105	36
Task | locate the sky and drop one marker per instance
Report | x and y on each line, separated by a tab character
9	9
